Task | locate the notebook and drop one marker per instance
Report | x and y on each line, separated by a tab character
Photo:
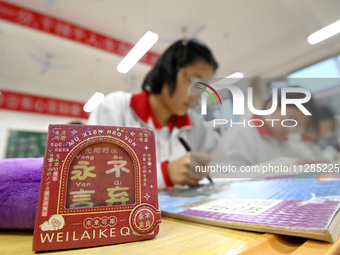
303	207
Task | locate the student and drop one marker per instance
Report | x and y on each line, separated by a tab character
163	106
322	142
326	133
268	143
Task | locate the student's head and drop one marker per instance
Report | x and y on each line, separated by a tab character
326	126
292	112
326	121
170	76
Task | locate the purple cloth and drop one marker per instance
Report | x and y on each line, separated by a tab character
19	192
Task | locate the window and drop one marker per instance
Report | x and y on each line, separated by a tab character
318	77
322	79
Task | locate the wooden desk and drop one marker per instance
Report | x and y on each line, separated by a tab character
181	237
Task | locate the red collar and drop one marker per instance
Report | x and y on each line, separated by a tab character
141	105
263	130
305	138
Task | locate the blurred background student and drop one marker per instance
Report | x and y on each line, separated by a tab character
319	142
163	106
269	143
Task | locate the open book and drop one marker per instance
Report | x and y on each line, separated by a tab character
298	207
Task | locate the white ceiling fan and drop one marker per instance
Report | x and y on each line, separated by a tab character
131	83
46	63
185	35
50	3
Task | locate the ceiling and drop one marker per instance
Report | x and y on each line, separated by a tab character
263	38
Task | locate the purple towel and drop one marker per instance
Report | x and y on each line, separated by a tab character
19	191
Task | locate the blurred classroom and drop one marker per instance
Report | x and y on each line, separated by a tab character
56	54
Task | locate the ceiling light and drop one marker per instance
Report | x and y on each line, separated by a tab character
324	33
137	52
236	75
230	79
93	102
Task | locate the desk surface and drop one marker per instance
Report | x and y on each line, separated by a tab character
181	237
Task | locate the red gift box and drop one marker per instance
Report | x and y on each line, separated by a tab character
98	187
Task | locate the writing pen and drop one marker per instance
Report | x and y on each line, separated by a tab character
187	147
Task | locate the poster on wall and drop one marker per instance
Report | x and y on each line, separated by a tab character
26	144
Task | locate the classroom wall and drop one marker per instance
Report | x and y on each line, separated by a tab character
21	121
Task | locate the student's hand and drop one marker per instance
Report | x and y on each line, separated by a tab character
198	162
179	169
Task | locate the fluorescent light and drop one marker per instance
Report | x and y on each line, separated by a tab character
231	79
93	102
324	33
137	52
236	75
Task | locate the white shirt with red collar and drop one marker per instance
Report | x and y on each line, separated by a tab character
134	110
254	145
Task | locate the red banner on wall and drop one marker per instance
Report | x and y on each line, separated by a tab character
64	29
10	100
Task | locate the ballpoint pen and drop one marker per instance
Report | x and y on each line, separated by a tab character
187	147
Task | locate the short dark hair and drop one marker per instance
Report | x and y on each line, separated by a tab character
325	113
322	113
178	55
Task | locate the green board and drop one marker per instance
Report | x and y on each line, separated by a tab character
26	144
